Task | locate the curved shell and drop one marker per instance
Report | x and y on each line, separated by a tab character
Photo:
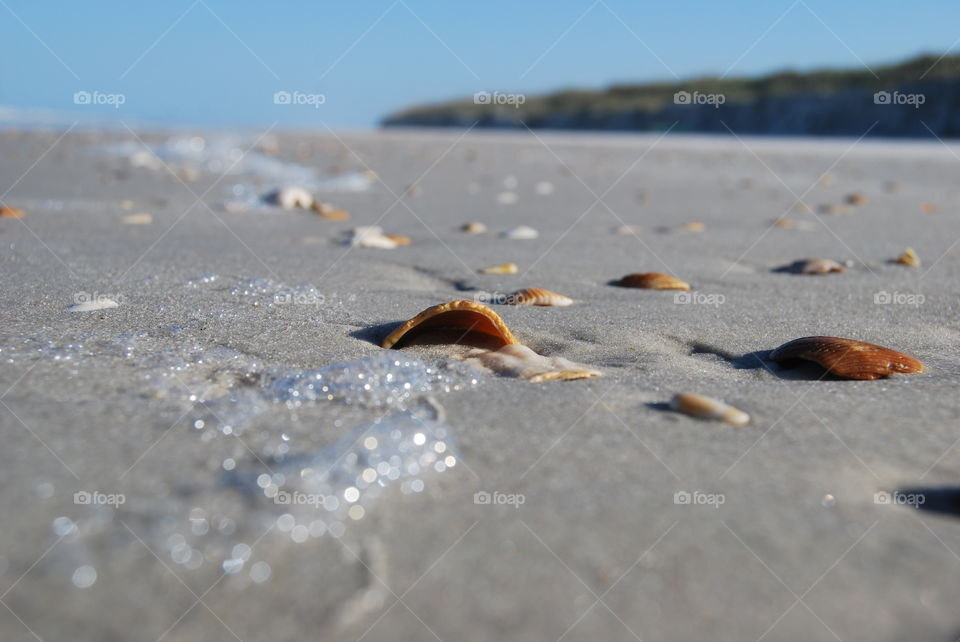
708	408
465	318
813	266
538	296
517	360
847	357
653	281
909	257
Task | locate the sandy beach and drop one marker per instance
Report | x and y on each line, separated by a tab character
147	444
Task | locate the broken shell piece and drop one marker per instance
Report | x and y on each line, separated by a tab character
465	322
97	303
507	198
812	266
290	198
653	281
693	226
909	257
329	212
521	233
143	218
708	408
10	212
371	236
833	208
544	188
538	296
856	198
398	239
506	268
628	230
518	360
847	357
474	227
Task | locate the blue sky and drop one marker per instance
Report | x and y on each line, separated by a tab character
219	62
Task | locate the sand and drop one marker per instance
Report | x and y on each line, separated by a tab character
586	535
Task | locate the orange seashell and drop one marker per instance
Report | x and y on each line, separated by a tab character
653	281
856	198
506	268
847	357
468	322
398	239
10	212
708	408
538	296
909	257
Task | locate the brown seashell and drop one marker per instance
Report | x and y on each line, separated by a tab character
465	318
909	257
856	199
928	207
708	408
10	212
474	227
329	212
538	296
812	266
653	281
517	360
847	357
506	268
398	239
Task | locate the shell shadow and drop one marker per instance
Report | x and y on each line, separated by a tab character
375	334
796	370
944	500
659	405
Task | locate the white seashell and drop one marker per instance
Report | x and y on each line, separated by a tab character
517	360
98	303
371	236
507	198
143	218
521	233
628	230
708	408
544	188
290	198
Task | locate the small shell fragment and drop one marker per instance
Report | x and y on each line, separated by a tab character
398	239
474	227
521	233
708	408
517	360
628	230
142	218
653	281
462	322
928	207
10	212
507	198
909	257
544	188
290	198
856	199
538	296
812	266
506	268
693	226
847	357
371	236
329	212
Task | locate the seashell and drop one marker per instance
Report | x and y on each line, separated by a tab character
329	212
544	188
290	198
928	207
506	268
847	357
693	226
708	408
142	218
398	239
909	257
10	212
474	227
856	199
471	323
371	236
653	281
812	266
517	360
521	233
628	230
94	304
538	296
787	223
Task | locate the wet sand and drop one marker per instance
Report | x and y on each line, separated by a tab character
193	404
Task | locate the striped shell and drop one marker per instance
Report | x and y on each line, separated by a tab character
708	408
466	322
653	281
538	296
847	357
506	268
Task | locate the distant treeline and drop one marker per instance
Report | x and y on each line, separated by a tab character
900	100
